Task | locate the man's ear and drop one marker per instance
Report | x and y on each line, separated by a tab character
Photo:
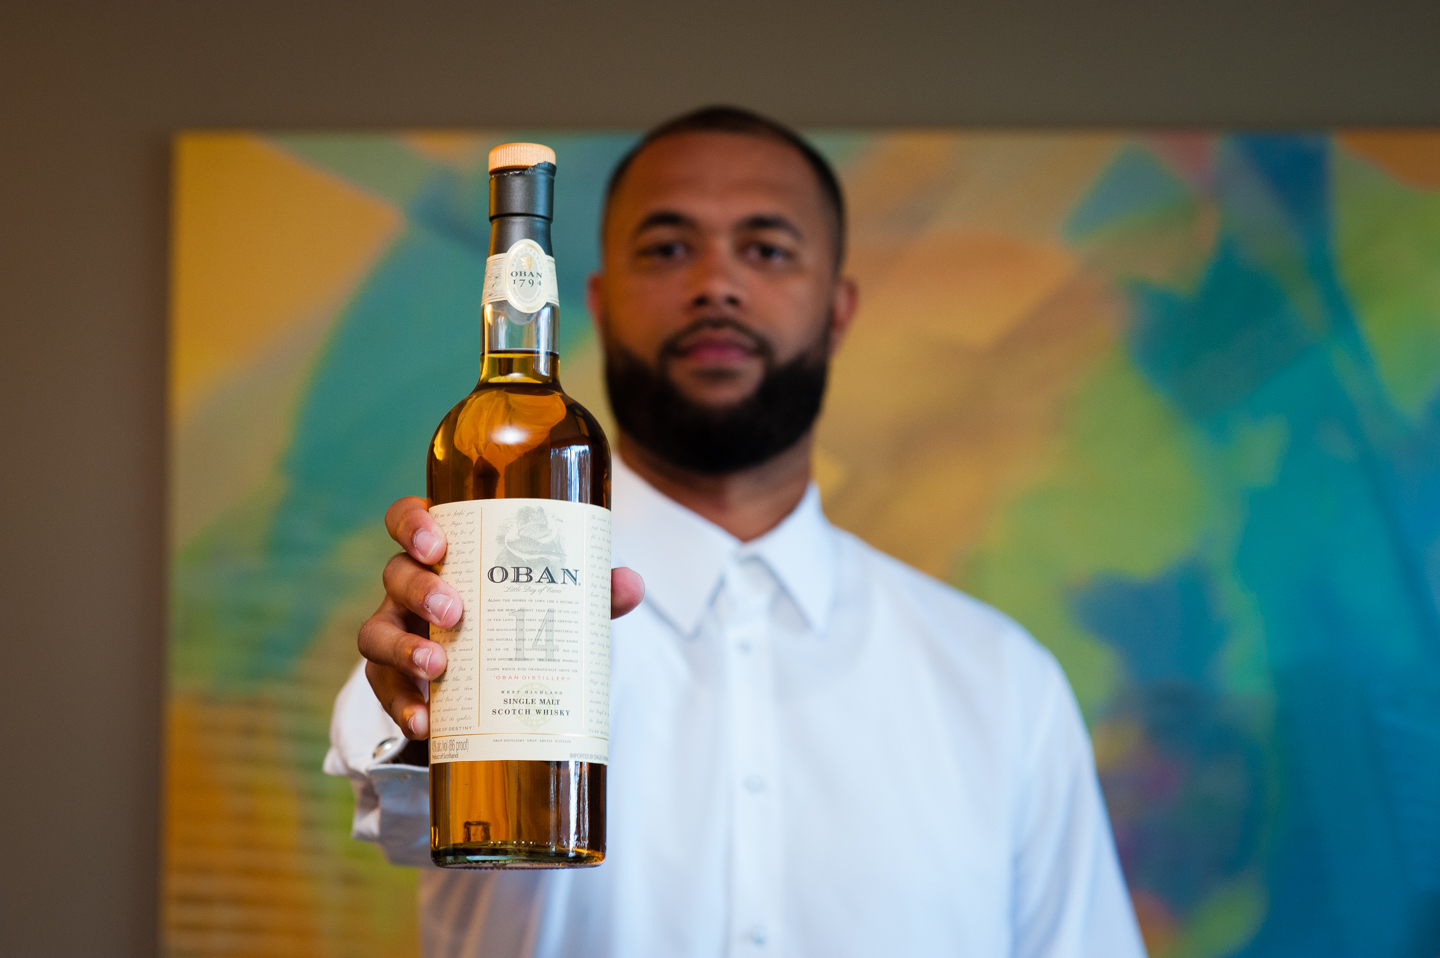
594	301
842	310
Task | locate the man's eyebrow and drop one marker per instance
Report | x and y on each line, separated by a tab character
771	221
663	218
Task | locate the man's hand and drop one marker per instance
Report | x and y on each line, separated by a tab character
394	640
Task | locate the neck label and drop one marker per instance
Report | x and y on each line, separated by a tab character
523	276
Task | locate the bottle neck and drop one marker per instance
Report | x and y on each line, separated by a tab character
519	366
517	346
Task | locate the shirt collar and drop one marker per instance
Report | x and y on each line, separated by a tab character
682	557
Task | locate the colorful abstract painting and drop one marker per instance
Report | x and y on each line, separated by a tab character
1172	401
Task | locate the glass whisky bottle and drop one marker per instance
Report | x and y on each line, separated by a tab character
518	476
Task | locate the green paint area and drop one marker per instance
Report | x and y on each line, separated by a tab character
1387	247
1124	497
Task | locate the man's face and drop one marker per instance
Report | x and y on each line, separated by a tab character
718	283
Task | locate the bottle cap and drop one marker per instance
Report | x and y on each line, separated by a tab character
513	155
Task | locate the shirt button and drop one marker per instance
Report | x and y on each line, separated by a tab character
744	647
756	936
755	783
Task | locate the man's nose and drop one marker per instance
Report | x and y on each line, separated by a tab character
714	282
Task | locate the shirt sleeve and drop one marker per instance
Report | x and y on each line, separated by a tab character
1070	896
392	801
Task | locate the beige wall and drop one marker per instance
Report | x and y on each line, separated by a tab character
89	94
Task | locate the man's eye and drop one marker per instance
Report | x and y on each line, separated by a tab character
668	250
770	253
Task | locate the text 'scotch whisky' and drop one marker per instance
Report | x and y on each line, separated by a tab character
519	479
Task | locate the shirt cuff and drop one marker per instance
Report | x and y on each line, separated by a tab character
392	801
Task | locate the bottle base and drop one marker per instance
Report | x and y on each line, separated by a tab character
513	855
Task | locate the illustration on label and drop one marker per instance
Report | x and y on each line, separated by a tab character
531	536
524	276
528	674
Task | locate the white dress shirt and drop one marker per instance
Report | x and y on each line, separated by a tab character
814	750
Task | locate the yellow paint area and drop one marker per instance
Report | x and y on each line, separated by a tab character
968	288
1410	156
461	150
263	243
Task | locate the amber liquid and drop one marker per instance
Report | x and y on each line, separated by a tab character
518	436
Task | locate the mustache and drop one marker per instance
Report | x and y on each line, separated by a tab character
674	344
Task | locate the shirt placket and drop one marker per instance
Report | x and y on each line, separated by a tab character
755	846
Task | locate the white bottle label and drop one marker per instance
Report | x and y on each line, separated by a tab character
523	276
528	674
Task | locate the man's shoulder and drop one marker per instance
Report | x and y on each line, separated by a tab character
904	584
957	621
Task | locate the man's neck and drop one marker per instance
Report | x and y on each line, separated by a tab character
747	504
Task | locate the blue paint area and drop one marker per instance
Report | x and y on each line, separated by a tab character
1333	555
1295	169
1208	352
1135	184
1168	628
1188	812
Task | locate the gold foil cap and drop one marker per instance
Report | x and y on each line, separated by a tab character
511	155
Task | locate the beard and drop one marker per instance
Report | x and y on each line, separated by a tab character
717	440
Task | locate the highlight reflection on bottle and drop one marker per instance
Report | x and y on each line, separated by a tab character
519	478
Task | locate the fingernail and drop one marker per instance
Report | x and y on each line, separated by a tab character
437	605
422	659
425	543
414	722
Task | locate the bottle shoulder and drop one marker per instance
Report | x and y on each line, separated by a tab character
519	439
517	413
583	415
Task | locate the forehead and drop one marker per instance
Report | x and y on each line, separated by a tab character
717	178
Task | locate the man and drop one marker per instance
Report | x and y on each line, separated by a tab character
815	750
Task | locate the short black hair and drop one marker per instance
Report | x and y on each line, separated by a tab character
732	119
